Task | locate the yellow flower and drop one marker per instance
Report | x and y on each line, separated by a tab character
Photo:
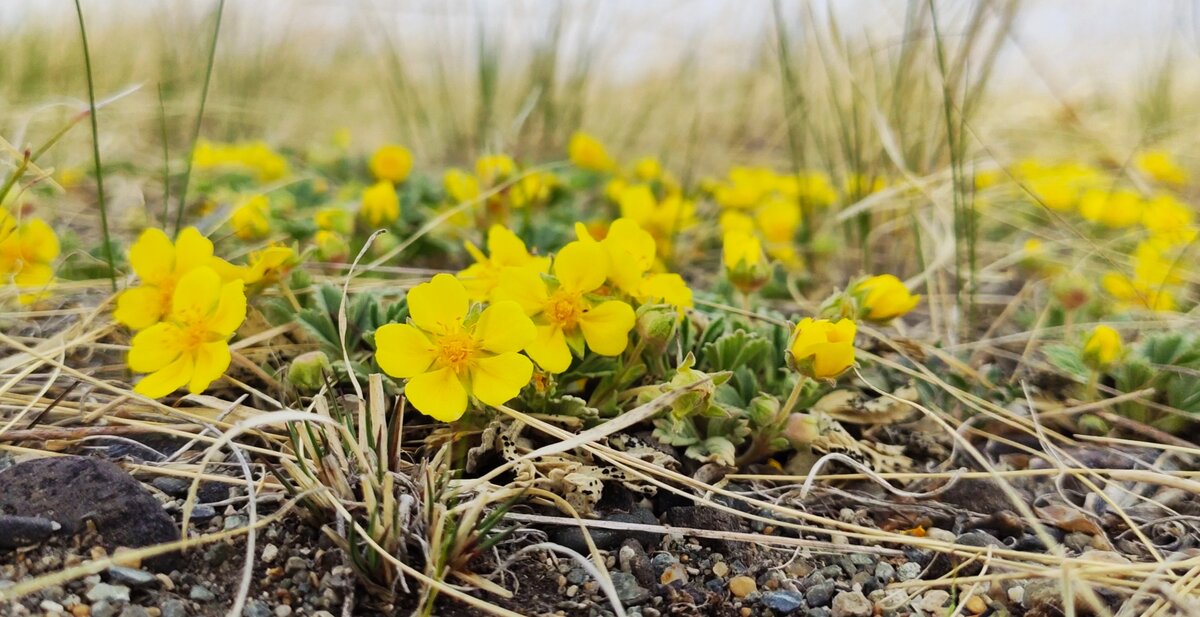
741	249
884	298
647	169
628	253
566	316
505	250
392	163
822	349
1102	348
1169	220
160	265
665	287
269	265
380	204
190	347
586	152
778	219
460	185
334	219
494	169
256	157
1161	167
745	265
26	254
532	189
814	188
250	219
447	357
736	220
1137	294
1116	209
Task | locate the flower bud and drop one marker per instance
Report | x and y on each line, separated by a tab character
822	349
308	371
745	264
802	429
656	324
883	298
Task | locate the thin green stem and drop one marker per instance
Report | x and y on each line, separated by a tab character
87	63
761	446
187	172
166	170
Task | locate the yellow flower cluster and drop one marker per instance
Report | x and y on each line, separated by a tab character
27	252
391	163
761	201
187	306
251	218
255	156
1102	348
663	218
586	152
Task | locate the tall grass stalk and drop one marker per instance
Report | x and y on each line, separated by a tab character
91	87
187	172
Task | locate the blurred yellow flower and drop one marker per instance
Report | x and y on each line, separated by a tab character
884	298
494	169
1160	166
1116	209
1169	221
250	219
380	204
269	265
256	157
667	288
1102	348
448	357
566	316
586	152
190	347
460	185
392	163
160	264
331	246
532	189
505	250
822	349
740	249
27	251
778	219
647	169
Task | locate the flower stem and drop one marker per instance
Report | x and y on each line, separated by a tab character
87	63
761	446
187	172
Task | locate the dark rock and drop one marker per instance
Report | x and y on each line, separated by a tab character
820	594
783	601
634	560
71	490
703	517
607	539
982	496
982	539
18	531
132	577
203	513
175	487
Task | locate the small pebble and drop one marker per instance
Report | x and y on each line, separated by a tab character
676	572
852	604
720	569
283	610
742	586
934	600
106	592
269	553
975	605
783	601
201	593
908	571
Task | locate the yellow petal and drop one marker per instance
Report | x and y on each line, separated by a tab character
152	256
230	311
606	327
155	347
503	327
831	359
523	286
438	394
192	250
139	307
549	349
33	275
580	266
37	234
402	350
439	305
167	380
196	295
210	361
499	379
505	247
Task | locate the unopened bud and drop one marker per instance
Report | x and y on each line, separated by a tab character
309	371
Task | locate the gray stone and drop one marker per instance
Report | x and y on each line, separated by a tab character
201	593
885	572
132	577
783	601
203	513
173	608
628	590
103	608
134	610
109	593
233	522
175	487
256	608
978	538
851	604
908	571
295	564
820	594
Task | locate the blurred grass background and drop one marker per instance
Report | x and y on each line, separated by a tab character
701	84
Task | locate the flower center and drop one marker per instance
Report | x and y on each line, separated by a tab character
564	308
455	351
195	335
